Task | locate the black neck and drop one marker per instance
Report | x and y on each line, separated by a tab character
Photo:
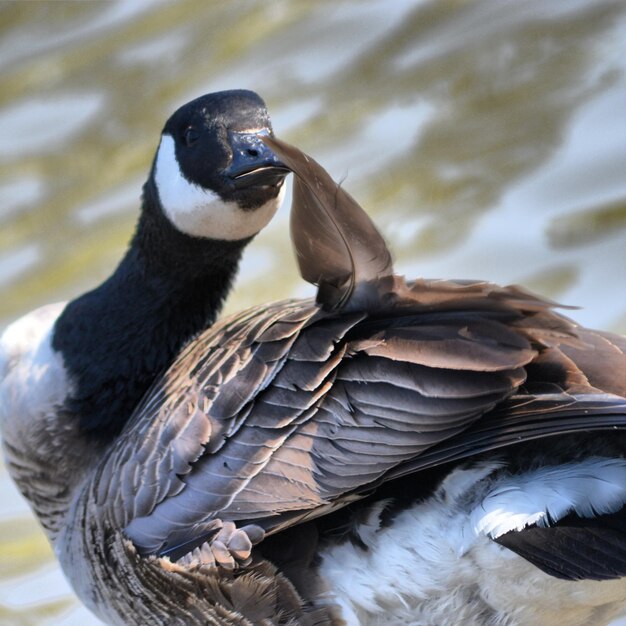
117	338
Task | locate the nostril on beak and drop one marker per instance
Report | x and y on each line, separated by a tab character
253	152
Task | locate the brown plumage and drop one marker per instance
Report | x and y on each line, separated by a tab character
287	412
293	411
283	415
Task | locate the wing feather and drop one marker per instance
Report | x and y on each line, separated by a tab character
346	250
338	405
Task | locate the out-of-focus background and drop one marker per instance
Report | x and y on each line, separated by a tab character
487	138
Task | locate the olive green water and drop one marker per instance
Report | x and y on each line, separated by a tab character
488	139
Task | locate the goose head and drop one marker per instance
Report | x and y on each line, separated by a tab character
213	175
71	375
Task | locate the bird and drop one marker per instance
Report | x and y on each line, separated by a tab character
430	452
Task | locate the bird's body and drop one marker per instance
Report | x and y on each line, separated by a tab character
432	453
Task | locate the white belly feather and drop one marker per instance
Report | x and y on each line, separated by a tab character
436	566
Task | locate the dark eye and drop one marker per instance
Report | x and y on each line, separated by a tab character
191	136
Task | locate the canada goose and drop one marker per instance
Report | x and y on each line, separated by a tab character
433	452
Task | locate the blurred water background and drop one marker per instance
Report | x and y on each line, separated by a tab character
488	139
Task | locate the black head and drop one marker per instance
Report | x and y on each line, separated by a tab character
214	176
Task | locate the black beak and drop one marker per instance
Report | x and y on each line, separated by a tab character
253	163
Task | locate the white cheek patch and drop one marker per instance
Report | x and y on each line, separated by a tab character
200	212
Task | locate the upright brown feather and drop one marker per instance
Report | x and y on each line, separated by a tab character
337	245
